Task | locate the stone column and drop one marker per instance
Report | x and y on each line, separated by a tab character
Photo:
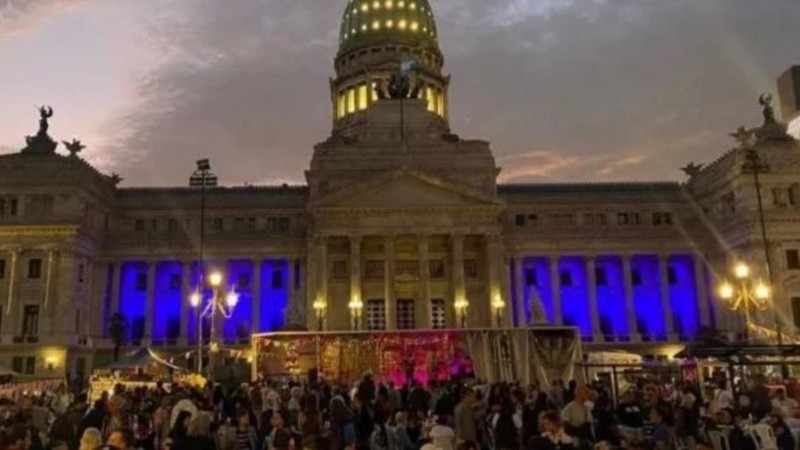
493	268
255	295
702	290
312	288
591	282
49	309
116	274
187	311
389	291
355	278
666	306
633	325
425	281
457	265
151	294
518	263
555	283
12	288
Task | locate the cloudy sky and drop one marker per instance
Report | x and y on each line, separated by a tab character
565	90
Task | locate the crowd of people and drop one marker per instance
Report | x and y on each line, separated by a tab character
370	415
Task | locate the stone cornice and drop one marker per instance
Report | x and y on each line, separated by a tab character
39	230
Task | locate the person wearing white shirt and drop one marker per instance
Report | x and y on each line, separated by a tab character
442	436
785	405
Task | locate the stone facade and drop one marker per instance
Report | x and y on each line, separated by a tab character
399	214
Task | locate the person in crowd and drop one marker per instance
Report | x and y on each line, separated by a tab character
442	436
577	416
404	440
198	434
554	432
92	439
784	405
177	436
661	438
245	433
120	439
783	434
465	418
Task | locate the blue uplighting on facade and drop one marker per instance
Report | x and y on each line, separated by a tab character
239	277
536	283
683	296
168	301
575	294
133	298
647	297
274	294
612	310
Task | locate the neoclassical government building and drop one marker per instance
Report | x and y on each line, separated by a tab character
401	217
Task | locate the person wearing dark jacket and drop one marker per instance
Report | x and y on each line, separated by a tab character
198	436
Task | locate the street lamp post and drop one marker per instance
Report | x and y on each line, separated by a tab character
221	304
497	306
202	178
461	306
320	305
745	295
356	306
754	165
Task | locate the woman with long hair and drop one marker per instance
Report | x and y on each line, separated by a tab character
92	439
198	434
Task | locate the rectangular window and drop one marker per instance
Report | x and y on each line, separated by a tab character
35	268
519	220
794	194
637	219
667	218
436	267
13	209
342	105
530	277
218	224
623	219
238	224
430	96
672	276
405	314
778	197
374	270
600	276
138	225
2	268
175	281
657	219
636	277
243	282
796	311
277	280
17	364
172	225
438	316
566	277
376	314
594	219
407	268
283	224
30	365
340	270
141	282
533	219
251	223
471	269
30	320
153	224
793	259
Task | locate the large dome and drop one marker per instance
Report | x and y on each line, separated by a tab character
369	22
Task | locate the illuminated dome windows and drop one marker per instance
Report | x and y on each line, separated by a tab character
359	97
366	20
375	36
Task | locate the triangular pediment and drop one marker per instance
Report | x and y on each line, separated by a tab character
406	189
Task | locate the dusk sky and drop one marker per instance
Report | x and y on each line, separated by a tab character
564	90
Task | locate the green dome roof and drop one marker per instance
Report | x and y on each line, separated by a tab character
375	22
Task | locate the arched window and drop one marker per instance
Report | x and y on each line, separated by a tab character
341	107
2	207
351	101
363	96
431	97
